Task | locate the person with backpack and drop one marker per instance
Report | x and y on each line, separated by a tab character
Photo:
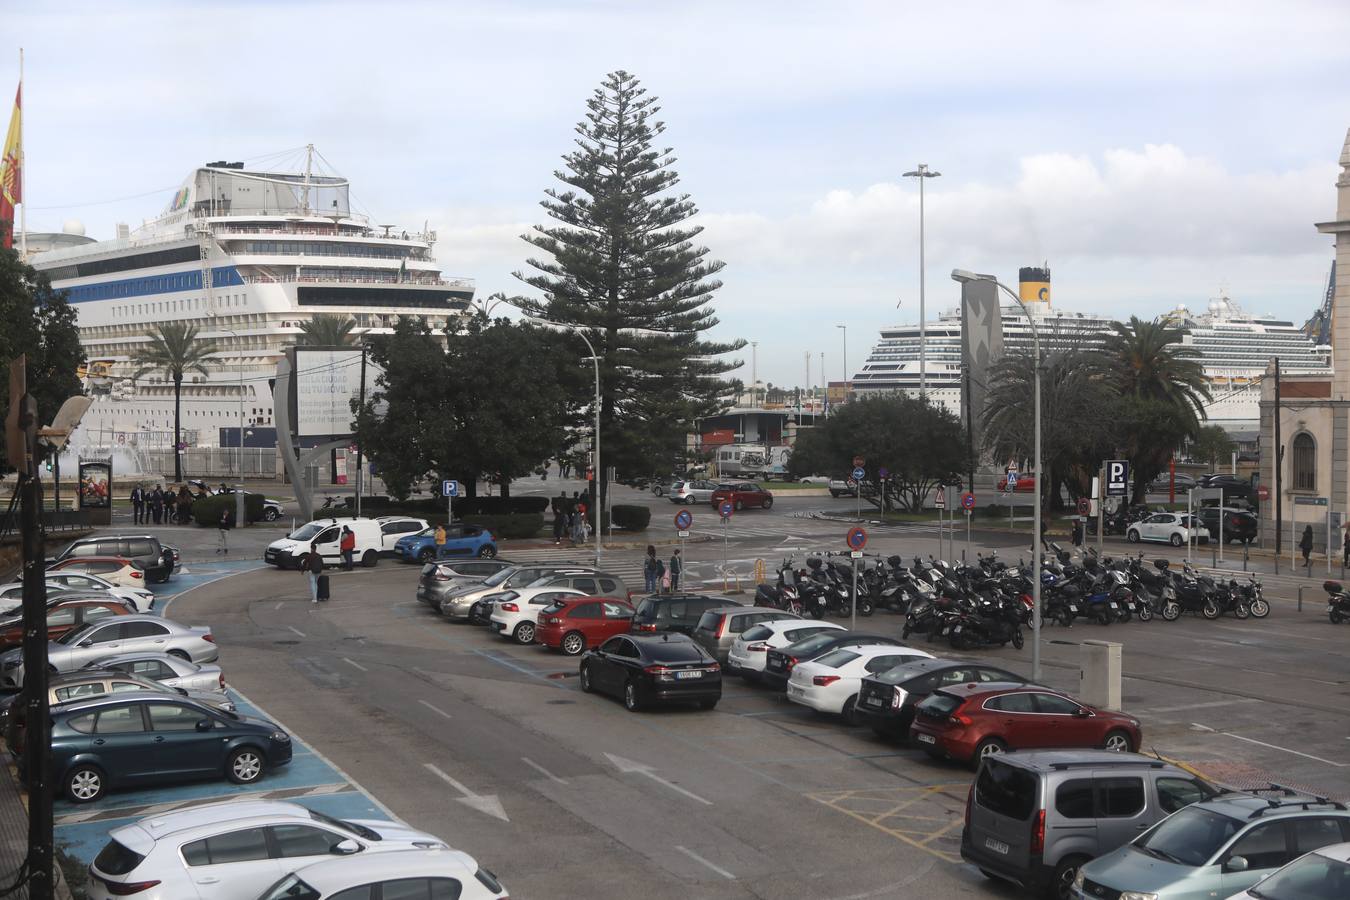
652	570
312	565
347	544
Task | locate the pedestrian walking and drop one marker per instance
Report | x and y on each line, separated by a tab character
1078	529
156	504
676	569
652	569
559	524
138	504
1345	547
1305	544
170	508
440	541
579	523
184	505
223	531
347	544
312	565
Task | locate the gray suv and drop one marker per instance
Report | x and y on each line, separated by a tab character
156	560
717	629
1034	818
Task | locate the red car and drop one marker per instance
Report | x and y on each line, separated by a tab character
742	495
971	721
575	623
1026	484
63	616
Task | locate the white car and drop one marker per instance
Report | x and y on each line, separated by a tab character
111	569
830	683
166	668
11	595
235	849
515	613
1176	529
751	647
1323	874
412	874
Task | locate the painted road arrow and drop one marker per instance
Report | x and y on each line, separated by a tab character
629	765
484	803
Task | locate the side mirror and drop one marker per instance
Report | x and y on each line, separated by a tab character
345	848
1235	864
203	724
87	642
1083	713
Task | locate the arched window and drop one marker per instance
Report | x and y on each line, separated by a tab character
1305	462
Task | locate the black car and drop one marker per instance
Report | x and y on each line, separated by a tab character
156	560
1238	524
675	612
140	738
645	670
1233	487
778	663
886	700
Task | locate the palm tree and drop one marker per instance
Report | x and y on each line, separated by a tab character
173	349
327	330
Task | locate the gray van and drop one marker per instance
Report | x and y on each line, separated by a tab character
717	629
1034	817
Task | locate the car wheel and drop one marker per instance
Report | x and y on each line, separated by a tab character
573	643
865	607
1132	536
834	494
271	515
86	783
369	559
1062	887
245	765
1118	742
849	712
524	633
1176	540
1335	617
181	654
487	551
630	697
987	747
707	705
426	555
586	687
768	502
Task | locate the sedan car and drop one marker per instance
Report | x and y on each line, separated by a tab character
749	651
972	721
116	569
887	700
779	663
1164	483
1233	486
830	683
236	848
143	738
65	614
1176	529
743	495
166	668
515	614
437	579
1320	875
83	583
78	648
574	624
460	540
692	492
644	670
410	874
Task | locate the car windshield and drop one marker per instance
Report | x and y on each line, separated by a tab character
674	652
1188	837
836	658
898	674
291	888
1310	877
305	532
499	577
811	644
342	823
75	635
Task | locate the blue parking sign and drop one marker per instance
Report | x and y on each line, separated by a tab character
449	488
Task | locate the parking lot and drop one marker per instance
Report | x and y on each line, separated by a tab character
493	747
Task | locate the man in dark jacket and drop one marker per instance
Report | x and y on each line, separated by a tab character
138	504
312	565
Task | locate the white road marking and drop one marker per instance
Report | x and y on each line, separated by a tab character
1339	765
484	803
1212	703
698	859
435	709
278	606
629	765
542	771
296	630
354	664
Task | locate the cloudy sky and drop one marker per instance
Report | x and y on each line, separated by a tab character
1153	153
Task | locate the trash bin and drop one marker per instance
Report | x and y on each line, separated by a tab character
1099	674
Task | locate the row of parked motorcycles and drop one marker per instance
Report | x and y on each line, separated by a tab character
989	602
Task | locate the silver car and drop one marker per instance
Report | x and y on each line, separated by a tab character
106	637
457	603
440	578
166	668
71	584
691	492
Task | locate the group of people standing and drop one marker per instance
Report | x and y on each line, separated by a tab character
161	506
657	576
569	518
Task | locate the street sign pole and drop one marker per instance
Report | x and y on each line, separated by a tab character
853	619
856	540
966	555
1100	497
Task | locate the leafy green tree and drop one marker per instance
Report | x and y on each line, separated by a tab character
39	322
173	349
327	330
1212	445
618	265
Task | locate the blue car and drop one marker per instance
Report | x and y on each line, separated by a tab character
460	541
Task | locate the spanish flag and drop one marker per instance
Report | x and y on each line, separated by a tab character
9	171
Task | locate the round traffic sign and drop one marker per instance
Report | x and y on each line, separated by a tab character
968	500
856	538
725	509
1084	506
859	462
683	519
883	473
1262	492
859	473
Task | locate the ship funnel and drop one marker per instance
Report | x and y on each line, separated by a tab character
1034	284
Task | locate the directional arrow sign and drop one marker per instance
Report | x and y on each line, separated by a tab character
629	765
484	803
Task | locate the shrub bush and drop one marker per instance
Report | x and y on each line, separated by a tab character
207	510
518	525
631	518
434	508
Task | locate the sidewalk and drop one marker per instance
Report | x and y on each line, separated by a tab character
14	835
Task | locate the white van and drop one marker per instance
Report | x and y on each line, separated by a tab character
374	538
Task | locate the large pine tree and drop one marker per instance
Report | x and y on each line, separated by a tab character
620	268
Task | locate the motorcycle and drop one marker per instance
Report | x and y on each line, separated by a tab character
1338	602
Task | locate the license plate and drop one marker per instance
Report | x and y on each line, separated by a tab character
996	846
873	701
690	674
1113	605
774	664
925	739
1073	608
796	691
956	630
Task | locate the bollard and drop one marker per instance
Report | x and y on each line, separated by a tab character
1300	597
1246	546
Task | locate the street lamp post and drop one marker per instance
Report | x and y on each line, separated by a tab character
845	388
923	174
963	277
240	510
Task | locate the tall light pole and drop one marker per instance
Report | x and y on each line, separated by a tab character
845	363
240	510
963	277
754	371
923	174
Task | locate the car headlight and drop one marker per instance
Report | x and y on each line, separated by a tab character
281	737
1138	895
1078	880
431	845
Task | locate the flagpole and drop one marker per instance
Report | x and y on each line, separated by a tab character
23	198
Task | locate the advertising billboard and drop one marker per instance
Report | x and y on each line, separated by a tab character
326	382
96	485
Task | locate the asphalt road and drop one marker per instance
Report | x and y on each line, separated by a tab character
493	747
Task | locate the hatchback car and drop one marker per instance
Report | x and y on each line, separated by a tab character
1169	528
1236	524
158	561
643	670
82	583
460	540
584	581
887	700
405	875
750	650
1164	483
237	848
675	612
115	569
779	663
1033	818
82	646
574	624
143	738
717	628
65	615
166	668
1216	848
972	721
457	602
515	614
1320	875
829	683
692	492
743	495
437	579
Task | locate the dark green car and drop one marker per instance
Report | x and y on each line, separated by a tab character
135	739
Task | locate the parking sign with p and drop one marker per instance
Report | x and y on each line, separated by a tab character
1117	478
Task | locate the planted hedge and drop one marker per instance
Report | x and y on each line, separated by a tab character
630	518
519	525
206	510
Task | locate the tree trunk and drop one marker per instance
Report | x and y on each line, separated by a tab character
177	427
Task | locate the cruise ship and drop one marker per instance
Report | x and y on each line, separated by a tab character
1234	347
247	255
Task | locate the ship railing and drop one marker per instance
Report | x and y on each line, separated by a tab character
226	229
352	279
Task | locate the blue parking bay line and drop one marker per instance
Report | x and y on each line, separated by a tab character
197	574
